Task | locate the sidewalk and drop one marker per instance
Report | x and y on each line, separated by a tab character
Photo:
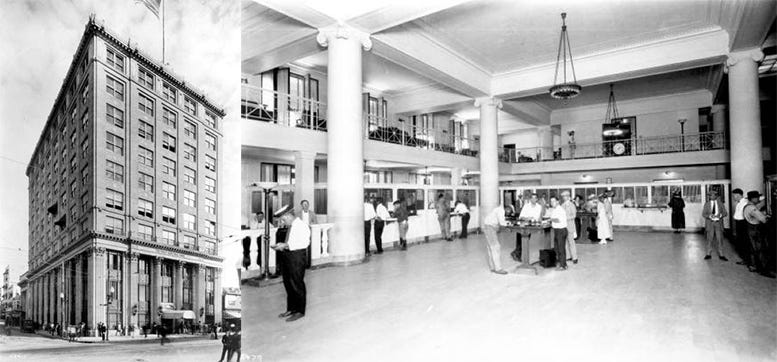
152	338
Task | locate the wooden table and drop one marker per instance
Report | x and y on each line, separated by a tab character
526	231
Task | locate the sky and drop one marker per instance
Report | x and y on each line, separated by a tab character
39	39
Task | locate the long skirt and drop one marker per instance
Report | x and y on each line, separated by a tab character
678	220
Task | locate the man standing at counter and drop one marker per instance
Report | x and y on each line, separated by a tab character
571	210
608	209
713	213
443	208
559	222
491	224
401	213
369	215
381	215
462	209
531	211
294	252
742	242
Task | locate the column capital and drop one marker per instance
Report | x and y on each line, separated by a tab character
341	31
488	101
98	251
133	257
754	54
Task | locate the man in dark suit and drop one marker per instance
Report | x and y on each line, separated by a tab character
713	213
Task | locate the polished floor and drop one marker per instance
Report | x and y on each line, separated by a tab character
645	297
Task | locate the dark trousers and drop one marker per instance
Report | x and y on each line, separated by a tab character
742	241
293	280
560	238
464	223
367	229
246	251
379	224
758	256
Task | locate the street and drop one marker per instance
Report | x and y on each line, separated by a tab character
30	347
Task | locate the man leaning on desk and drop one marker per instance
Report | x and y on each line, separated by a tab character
532	210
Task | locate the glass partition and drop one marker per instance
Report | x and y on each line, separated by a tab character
468	197
415	198
641	194
692	194
386	194
660	194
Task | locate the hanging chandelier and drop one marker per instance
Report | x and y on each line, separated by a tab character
612	108
564	90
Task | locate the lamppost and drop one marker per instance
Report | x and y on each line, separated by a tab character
62	310
682	132
267	187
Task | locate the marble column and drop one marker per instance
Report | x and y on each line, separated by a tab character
304	171
747	170
345	139
156	288
98	276
545	136
199	291
47	298
218	295
79	300
132	289
718	118
178	285
489	154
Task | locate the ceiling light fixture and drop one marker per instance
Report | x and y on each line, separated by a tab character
564	90
612	108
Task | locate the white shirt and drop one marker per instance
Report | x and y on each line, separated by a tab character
299	235
496	217
530	211
738	210
461	209
382	212
369	211
559	213
305	217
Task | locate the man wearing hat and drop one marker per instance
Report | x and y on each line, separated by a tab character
755	221
294	255
713	213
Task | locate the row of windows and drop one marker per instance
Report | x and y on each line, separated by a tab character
116	60
115	199
115	225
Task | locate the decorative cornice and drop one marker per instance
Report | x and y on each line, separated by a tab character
341	31
754	54
488	101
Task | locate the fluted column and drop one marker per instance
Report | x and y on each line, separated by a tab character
345	138
156	288
489	154
98	276
132	289
79	300
747	170
199	291
218	295
178	285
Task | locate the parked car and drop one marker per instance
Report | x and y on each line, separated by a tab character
28	326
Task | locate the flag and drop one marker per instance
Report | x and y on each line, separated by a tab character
153	5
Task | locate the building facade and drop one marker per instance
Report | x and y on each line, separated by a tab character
123	194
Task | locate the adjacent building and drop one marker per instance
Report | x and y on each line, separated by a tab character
124	221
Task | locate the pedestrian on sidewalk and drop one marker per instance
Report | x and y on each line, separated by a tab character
163	331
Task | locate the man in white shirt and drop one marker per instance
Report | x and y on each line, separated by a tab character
532	210
369	215
381	215
571	210
742	242
294	254
558	220
462	209
491	224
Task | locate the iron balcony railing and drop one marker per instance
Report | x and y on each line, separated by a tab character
265	105
693	142
285	109
400	132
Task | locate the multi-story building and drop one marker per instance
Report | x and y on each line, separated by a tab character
123	194
7	292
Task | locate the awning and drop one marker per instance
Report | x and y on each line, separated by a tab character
178	314
231	314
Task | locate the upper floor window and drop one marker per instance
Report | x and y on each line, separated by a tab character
114	116
210	163
146	105
146	78
190	106
190	129
146	131
114	199
115	60
168	142
114	171
210	141
114	225
145	156
114	87
189	152
169	117
114	143
211	118
169	93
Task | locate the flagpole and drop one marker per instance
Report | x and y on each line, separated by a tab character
163	33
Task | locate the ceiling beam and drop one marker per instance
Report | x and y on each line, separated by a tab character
427	99
411	48
391	16
706	47
300	12
528	112
288	52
